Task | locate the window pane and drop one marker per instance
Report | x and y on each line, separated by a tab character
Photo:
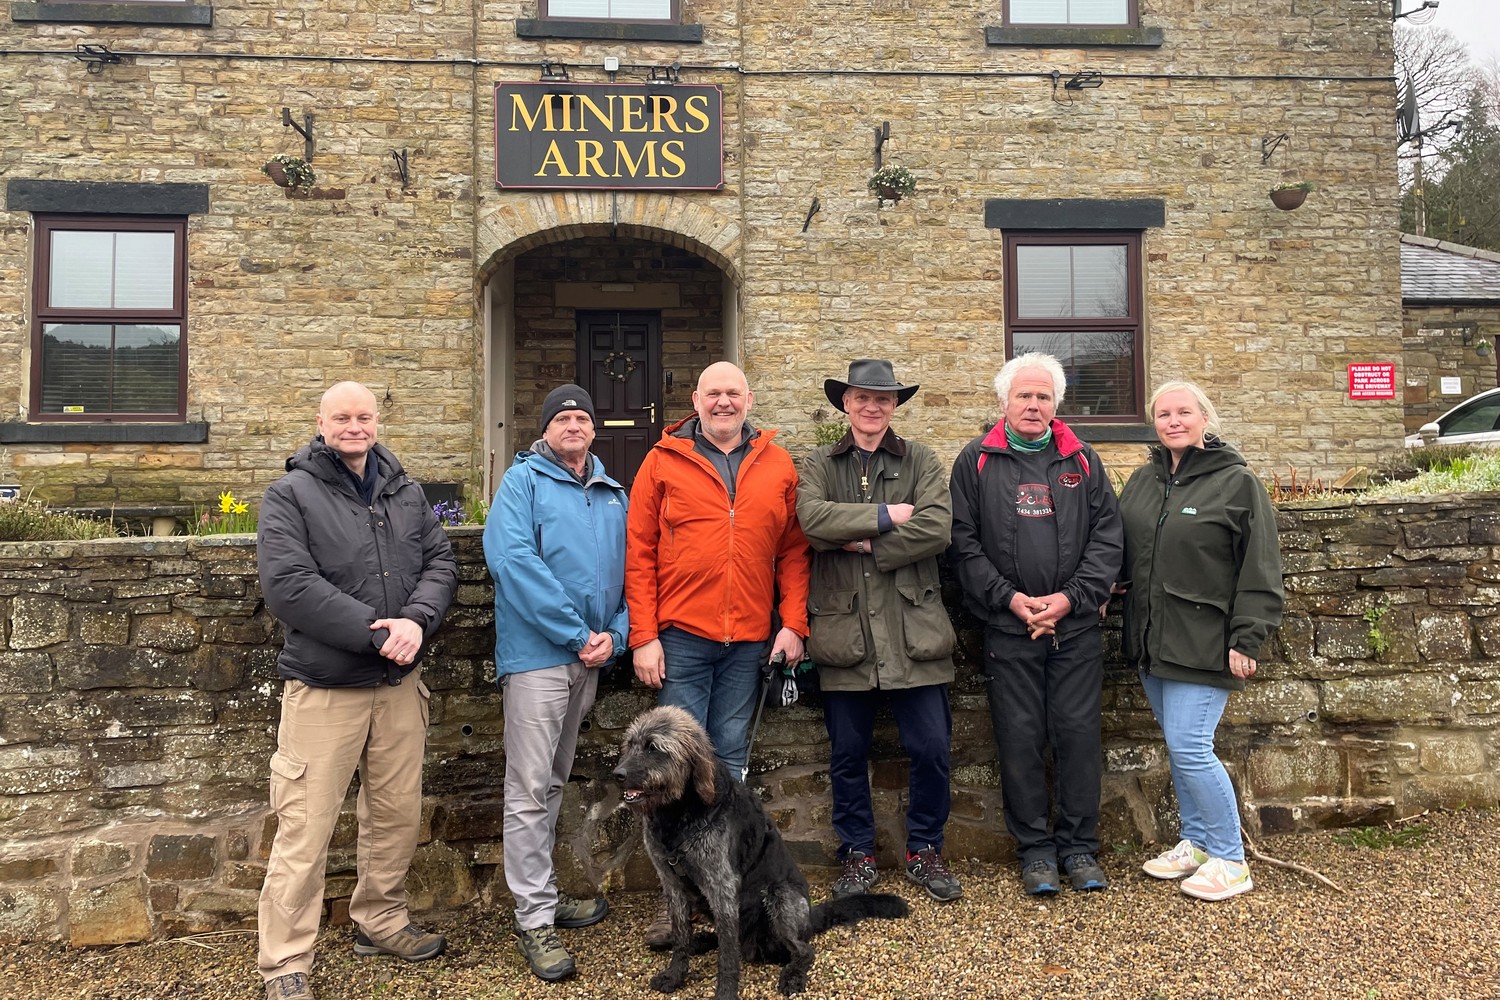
1478	418
1038	11
1100	369
1043	281
1099	281
75	368
146	366
641	10
144	264
1069	11
578	8
1098	11
82	269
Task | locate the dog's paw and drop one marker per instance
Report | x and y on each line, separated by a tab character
667	982
792	982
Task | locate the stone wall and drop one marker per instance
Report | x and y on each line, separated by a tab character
371	279
1439	341
138	704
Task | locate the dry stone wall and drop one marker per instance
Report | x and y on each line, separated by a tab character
138	705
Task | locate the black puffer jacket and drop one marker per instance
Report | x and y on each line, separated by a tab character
330	566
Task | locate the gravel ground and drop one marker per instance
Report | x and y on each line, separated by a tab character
1417	921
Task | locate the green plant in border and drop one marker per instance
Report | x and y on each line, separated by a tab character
1378	640
1381	838
27	520
231	517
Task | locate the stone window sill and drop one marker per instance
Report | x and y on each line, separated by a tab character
64	432
620	31
1075	38
184	15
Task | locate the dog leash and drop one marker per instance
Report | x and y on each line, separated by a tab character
775	665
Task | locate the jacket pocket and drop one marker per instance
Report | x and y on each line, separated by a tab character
924	622
837	636
288	787
1194	630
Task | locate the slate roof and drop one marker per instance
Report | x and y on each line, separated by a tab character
1435	272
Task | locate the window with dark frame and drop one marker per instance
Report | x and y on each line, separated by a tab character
1071	13
109	318
1077	296
639	11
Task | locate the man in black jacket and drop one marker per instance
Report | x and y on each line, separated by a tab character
1037	541
357	568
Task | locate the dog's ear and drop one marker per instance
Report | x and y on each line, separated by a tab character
704	770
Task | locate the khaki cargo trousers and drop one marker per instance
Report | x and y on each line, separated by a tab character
325	734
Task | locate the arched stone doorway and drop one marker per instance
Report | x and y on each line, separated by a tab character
632	312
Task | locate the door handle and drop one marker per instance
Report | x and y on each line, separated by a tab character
651	412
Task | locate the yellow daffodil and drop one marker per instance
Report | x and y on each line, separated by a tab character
226	502
242	508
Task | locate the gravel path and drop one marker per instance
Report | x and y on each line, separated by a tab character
1416	922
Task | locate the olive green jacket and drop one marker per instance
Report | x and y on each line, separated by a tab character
877	620
1204	563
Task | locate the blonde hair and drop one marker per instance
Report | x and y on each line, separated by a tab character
1212	428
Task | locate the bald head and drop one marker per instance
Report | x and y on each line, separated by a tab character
722	399
349	423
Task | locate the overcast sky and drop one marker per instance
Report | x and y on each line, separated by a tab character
1475	22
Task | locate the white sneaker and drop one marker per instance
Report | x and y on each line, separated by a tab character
1180	861
1219	879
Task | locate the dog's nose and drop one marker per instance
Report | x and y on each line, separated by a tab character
618	774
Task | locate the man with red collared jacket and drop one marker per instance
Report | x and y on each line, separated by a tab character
1037	542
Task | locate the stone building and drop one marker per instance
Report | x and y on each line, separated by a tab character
509	195
1450	323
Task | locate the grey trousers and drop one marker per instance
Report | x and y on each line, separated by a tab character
543	710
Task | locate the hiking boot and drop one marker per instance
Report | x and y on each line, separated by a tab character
410	942
1040	878
545	953
926	869
292	986
1218	879
1084	873
858	876
1179	862
579	912
659	931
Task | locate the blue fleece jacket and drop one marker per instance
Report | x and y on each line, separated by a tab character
556	550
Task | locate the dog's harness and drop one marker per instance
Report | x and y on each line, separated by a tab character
694	830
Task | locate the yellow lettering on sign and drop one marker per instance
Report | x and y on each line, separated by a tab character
662	110
589	152
632	167
518	108
607	119
671	155
633	108
554	158
697	108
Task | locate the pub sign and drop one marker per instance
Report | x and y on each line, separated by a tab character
603	136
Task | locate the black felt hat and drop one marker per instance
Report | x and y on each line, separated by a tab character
868	373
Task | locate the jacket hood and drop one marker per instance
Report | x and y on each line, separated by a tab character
1213	456
686	428
1067	442
539	458
317	459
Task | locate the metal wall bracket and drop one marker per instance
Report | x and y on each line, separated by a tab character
402	168
305	130
812	210
882	133
96	57
1269	145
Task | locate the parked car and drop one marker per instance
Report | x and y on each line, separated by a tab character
1474	422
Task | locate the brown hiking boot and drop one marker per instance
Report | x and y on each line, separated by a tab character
292	986
410	942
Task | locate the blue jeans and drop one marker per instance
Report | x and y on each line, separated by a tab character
717	684
925	723
1189	714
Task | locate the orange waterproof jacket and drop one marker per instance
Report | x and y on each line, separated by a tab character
693	561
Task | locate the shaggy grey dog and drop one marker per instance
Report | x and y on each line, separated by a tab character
710	839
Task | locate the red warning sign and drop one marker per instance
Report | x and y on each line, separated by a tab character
1374	380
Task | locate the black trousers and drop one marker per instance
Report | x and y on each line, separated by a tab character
1040	695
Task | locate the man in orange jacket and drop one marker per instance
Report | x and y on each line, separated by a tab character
713	536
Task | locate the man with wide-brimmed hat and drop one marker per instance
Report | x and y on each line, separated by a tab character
875	507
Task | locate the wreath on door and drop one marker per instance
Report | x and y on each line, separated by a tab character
616	371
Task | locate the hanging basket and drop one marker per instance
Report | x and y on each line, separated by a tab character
1288	198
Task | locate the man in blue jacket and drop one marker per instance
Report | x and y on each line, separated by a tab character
555	545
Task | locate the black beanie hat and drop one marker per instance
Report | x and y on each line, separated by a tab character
566	397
